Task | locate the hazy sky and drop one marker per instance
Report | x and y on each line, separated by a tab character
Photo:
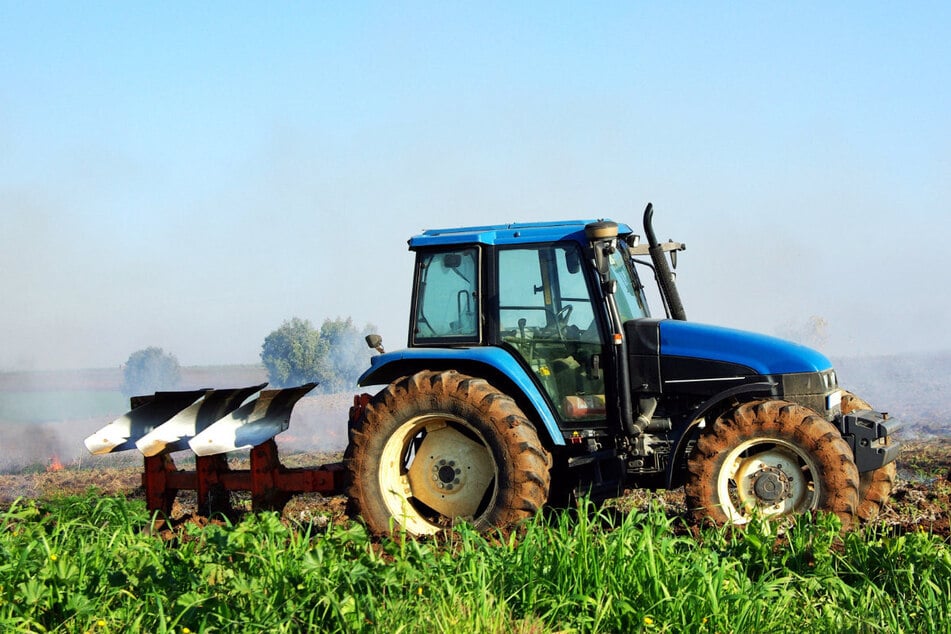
190	175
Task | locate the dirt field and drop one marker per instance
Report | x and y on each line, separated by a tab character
921	501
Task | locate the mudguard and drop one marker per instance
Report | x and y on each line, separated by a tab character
765	389
388	366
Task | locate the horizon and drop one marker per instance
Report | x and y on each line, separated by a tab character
835	359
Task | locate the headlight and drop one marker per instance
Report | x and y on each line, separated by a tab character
834	400
806	383
829	380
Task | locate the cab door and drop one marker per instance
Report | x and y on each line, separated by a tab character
546	316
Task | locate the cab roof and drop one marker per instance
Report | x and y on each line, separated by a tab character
514	233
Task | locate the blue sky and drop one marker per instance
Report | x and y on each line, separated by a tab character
189	176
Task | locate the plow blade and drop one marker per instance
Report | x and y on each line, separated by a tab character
121	434
174	434
251	424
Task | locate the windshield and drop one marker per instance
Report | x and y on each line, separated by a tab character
631	303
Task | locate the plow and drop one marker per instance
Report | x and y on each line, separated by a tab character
212	423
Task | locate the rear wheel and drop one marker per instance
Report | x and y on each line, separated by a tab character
875	487
437	447
770	459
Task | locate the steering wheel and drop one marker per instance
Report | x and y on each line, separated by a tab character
561	319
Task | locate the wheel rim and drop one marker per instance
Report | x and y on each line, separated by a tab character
767	477
435	469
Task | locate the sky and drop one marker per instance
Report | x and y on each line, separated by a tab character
191	175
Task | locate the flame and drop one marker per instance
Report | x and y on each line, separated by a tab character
54	465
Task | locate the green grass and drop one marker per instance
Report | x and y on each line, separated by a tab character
83	564
61	405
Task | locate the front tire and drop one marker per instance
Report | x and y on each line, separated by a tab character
770	459
437	447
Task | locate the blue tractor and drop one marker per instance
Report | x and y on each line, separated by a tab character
535	374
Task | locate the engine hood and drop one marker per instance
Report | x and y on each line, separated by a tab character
761	353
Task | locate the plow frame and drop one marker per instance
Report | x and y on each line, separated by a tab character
271	483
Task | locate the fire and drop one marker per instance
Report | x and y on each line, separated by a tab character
55	464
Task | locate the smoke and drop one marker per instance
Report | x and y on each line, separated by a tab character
318	423
347	354
35	446
814	332
910	387
27	445
46	415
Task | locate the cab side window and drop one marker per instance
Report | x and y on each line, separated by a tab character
447	305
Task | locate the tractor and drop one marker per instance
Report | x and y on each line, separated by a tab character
535	375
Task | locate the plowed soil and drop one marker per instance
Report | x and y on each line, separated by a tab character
921	500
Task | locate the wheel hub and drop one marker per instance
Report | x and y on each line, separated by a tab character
450	472
446	474
771	477
771	484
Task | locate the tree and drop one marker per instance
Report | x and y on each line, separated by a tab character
150	370
333	356
291	353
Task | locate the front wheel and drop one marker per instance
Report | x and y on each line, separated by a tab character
437	447
770	459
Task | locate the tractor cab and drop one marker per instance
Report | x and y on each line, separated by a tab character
554	296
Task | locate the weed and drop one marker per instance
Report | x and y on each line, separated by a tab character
83	564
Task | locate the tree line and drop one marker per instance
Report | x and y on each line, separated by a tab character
297	352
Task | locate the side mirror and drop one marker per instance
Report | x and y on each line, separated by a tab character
376	342
602	254
572	261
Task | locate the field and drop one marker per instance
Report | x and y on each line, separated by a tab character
78	553
81	559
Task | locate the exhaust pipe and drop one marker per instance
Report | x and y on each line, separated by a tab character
665	279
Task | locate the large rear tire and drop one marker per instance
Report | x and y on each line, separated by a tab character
875	487
770	459
437	447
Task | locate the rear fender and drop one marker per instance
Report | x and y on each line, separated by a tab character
713	405
493	364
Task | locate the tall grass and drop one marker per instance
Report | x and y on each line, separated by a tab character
83	564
